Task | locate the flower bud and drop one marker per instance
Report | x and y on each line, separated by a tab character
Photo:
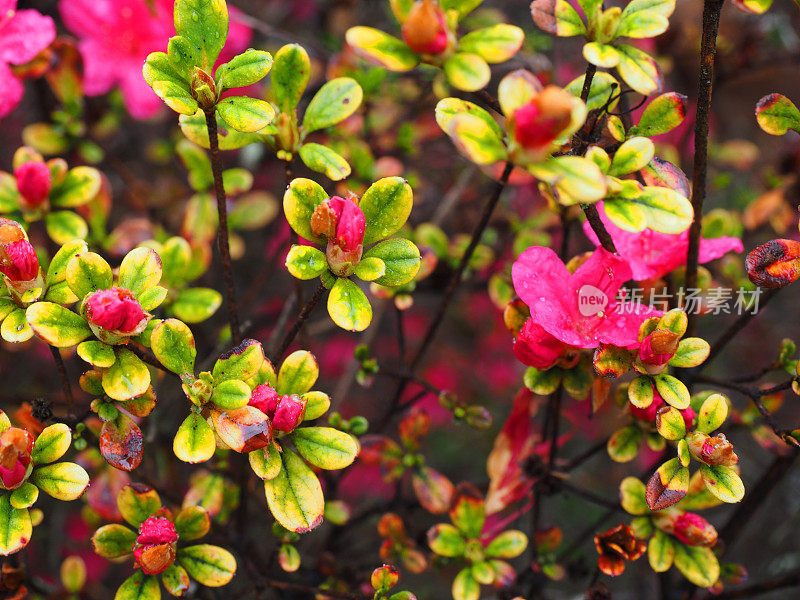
15	455
659	347
649	412
203	88
715	450
425	29
537	348
33	182
774	264
265	399
116	310
540	122
154	549
343	223
285	412
18	261
694	530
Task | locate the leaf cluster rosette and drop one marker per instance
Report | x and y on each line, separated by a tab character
371	255
48	190
29	466
184	76
430	36
485	558
287	135
112	310
603	30
155	537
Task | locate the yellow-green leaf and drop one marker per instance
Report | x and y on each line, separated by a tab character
295	496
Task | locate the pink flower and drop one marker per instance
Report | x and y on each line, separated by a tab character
286	412
117	35
33	182
651	254
23	34
649	413
15	455
115	309
341	221
536	127
537	348
18	261
578	309
694	530
154	549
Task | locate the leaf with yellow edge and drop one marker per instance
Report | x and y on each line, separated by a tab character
15	526
63	481
295	495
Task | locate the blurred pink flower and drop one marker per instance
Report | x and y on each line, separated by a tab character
23	34
579	309
117	35
651	254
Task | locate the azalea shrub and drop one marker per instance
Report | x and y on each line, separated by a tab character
555	358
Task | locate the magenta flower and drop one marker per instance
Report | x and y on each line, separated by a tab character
34	182
18	261
117	310
117	35
652	255
578	309
154	549
286	412
23	34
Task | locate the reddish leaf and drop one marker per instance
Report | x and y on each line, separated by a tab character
121	443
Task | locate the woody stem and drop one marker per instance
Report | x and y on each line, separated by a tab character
65	384
222	233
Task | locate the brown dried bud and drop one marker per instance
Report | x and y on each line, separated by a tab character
715	450
616	546
774	264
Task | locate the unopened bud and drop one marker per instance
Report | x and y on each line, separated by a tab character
33	182
715	450
203	88
774	264
425	29
694	530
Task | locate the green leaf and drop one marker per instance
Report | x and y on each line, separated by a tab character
317	404
57	270
370	268
326	447
63	481
242	362
140	270
461	7
204	23
195	129
15	327
645	18
244	114
776	114
231	394
15	526
723	482
289	76
25	495
9	196
56	325
52	443
64	226
139	587
542	382
247	68
386	206
493	44
600	92
667	486
697	563
333	103
192	522
660	552
323	160
663	114
295	496
673	391
658	208
467	72
475	139
157	67
670	423
301	198
400	258
632	496
253	211
601	55
113	541
176	580
445	540
306	262
137	502
173	345
194	440
691	353
465	587
87	273
182	56
623	445
448	108
575	178
78	187
469	516
633	155
176	96
508	544
127	378
209	565
712	413
298	373
265	462
381	48
638	69
195	305
348	306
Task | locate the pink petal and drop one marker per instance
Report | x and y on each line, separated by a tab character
711	248
537	348
621	325
10	92
140	100
24	36
99	73
602	270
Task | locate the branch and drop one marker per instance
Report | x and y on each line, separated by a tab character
65	384
298	323
222	233
739	324
762	587
708	50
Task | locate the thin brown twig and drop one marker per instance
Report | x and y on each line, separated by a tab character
222	233
298	323
65	384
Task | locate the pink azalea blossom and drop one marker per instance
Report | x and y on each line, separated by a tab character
23	34
117	35
651	254
578	309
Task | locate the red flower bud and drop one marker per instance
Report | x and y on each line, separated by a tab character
425	29
33	182
115	309
658	347
155	545
286	412
265	399
694	530
341	221
15	455
540	122
774	264
537	348
649	412
18	261
715	450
